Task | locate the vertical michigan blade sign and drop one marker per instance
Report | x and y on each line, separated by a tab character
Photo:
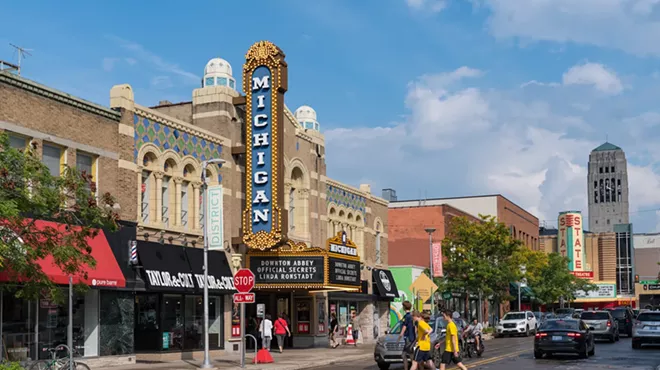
264	83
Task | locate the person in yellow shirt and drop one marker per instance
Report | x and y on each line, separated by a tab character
452	352
423	351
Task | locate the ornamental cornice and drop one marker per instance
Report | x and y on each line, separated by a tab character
155	116
356	191
59	96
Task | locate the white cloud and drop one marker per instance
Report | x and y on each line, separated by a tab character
459	139
108	64
593	74
431	5
628	25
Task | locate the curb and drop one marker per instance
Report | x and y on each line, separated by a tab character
310	365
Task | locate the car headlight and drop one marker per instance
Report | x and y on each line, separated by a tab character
521	323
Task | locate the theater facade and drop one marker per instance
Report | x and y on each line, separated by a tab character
316	245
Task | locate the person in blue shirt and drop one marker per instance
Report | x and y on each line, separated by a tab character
408	333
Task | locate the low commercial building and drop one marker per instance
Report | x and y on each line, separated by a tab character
647	269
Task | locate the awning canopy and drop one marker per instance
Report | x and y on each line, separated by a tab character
106	273
526	292
384	284
177	269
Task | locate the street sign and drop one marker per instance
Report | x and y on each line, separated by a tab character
244	280
423	287
446	295
649	282
261	310
244	298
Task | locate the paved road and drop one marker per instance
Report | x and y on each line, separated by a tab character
516	353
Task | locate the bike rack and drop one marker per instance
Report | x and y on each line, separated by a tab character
256	347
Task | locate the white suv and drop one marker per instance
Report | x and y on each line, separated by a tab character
516	323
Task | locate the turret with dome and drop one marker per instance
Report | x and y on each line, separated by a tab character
218	73
306	117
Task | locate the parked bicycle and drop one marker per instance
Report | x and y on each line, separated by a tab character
55	363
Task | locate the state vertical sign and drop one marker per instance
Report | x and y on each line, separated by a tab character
264	82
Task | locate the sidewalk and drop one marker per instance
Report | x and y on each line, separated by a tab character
292	359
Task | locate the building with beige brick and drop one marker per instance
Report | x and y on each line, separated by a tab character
152	159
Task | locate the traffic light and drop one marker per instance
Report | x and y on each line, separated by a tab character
636	279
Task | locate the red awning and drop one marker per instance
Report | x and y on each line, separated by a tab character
106	273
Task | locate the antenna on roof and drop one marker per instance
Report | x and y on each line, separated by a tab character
22	54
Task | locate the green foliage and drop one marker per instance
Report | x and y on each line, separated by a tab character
549	277
28	192
480	257
11	366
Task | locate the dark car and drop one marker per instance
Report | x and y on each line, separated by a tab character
625	317
564	336
565	312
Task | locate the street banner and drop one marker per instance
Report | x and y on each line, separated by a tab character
215	224
437	259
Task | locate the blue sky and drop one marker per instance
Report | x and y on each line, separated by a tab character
432	97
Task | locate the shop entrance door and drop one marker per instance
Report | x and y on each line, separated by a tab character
284	307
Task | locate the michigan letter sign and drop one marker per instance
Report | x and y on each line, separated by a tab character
264	83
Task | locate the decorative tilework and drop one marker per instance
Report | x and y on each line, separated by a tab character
344	198
165	138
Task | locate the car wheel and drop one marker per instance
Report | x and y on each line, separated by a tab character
593	350
527	331
617	336
613	338
383	365
538	355
585	353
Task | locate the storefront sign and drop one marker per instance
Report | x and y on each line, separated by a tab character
571	239
385	284
603	291
651	286
344	272
215	221
187	280
437	259
583	274
265	82
282	270
166	340
343	249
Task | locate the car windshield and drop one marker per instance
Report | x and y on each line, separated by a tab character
649	316
396	329
560	324
564	311
514	316
595	316
619	314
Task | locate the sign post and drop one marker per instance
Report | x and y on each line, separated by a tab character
244	282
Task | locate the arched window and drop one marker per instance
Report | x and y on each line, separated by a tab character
147	204
187	191
168	190
332	217
349	232
298	207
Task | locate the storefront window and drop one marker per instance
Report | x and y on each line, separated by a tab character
147	323
117	319
343	310
17	327
194	324
53	324
172	316
303	313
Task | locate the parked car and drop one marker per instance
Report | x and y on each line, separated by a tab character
516	323
388	349
540	316
625	318
646	329
564	336
603	324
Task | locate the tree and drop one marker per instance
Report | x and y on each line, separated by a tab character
549	278
481	257
28	192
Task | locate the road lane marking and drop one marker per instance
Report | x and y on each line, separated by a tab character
492	359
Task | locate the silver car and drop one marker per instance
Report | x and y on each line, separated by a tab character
388	349
646	329
603	324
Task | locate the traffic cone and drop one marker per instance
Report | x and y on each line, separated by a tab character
263	357
349	335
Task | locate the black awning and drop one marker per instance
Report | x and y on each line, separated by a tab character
166	267
384	283
221	279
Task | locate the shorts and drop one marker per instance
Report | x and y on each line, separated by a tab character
448	357
280	340
356	334
422	356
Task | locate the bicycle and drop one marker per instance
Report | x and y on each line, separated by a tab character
55	363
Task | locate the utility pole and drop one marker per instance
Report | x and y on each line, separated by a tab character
22	54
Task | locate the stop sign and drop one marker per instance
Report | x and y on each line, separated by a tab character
244	280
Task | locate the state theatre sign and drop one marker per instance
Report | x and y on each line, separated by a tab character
337	267
264	82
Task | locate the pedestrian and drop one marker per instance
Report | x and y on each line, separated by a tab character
334	327
266	330
281	329
423	351
452	351
408	334
355	327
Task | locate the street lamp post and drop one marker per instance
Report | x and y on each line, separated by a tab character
207	358
430	231
523	271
